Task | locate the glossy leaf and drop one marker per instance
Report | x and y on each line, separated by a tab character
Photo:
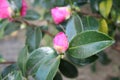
22	58
58	76
103	26
90	23
83	62
34	36
74	26
38	56
32	15
105	7
48	69
88	43
68	69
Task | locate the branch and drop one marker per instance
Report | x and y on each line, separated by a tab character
8	62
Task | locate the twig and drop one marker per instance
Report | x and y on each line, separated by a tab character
48	33
8	62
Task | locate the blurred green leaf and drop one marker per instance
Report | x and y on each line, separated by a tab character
74	26
22	58
48	69
38	56
2	59
58	76
88	43
11	27
103	58
105	7
68	69
14	75
9	69
103	26
90	23
94	5
83	62
32	15
3	24
34	36
48	3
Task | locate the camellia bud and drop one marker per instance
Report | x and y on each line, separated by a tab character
60	42
60	14
6	11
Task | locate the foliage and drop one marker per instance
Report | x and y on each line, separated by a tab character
88	35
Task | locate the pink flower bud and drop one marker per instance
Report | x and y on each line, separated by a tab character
6	10
24	8
60	14
61	42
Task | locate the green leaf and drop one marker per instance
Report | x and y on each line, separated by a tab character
34	36
3	24
32	15
105	7
74	27
22	58
48	69
88	43
2	59
58	76
11	27
83	62
38	56
68	69
15	75
103	58
90	23
103	26
9	69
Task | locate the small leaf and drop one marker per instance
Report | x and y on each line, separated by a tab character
22	58
9	69
74	26
105	7
103	58
48	69
88	43
68	69
2	59
103	26
34	36
83	62
14	75
38	56
90	23
32	15
3	24
58	76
